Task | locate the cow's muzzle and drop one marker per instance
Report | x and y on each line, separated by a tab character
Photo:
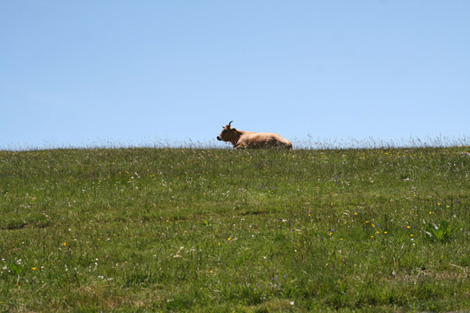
218	138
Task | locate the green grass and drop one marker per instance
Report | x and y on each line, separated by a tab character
207	230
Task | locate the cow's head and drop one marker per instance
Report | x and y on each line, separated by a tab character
228	134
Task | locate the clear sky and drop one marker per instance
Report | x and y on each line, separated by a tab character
86	73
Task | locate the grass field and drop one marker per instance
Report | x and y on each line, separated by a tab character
208	230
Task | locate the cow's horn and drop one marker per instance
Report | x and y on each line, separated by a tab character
230	124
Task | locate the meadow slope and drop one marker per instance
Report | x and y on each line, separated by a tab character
207	230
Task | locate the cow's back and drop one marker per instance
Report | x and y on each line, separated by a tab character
263	140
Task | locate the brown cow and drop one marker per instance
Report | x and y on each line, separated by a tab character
252	140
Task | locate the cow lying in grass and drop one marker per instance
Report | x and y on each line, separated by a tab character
251	140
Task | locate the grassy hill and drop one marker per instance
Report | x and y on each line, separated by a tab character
128	230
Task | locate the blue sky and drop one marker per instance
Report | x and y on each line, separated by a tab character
86	73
